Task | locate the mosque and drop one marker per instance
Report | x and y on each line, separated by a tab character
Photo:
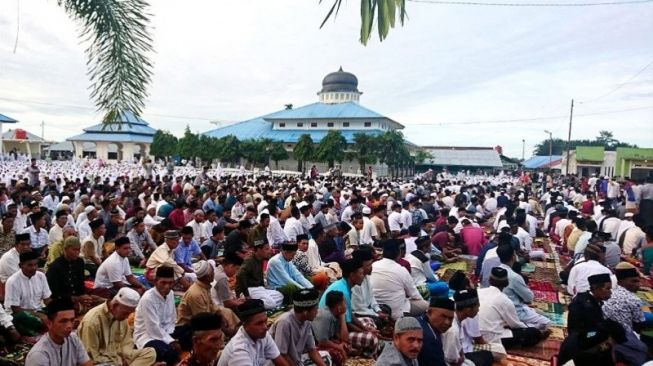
338	108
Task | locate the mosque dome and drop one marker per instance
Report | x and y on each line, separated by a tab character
340	81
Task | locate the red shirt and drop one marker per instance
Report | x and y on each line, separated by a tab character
177	218
474	239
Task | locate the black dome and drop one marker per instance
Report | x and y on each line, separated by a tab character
340	81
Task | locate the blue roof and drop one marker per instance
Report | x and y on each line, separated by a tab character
111	137
126	128
324	110
260	128
5	119
541	161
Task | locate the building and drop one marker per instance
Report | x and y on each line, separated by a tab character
4	119
456	158
20	141
337	108
126	138
636	163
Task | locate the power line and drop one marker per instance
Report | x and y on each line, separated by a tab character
620	85
531	119
551	5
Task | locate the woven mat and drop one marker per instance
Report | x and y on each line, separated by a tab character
544	351
16	356
357	361
456	266
514	360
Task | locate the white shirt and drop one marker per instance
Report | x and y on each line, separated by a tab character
579	273
27	293
50	203
313	254
55	234
532	225
155	318
420	271
38	239
6	320
623	226
611	225
452	345
275	233
394	221
406	218
496	315
9	264
410	245
369	232
491	204
292	228
393	286
560	227
242	350
113	269
207	228
150	221
525	240
634	238
197	229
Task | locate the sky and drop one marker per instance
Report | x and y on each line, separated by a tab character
453	75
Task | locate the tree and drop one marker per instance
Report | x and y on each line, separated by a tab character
188	145
278	152
229	149
205	151
253	150
387	12
605	139
119	40
331	148
392	150
364	149
303	150
163	144
421	156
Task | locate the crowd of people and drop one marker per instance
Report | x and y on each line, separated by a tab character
143	264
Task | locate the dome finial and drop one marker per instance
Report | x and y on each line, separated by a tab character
340	68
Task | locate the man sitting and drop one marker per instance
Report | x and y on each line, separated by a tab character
282	274
115	273
105	332
187	249
59	346
10	260
498	318
330	327
435	323
221	293
211	247
249	279
207	340
92	246
141	243
66	277
252	344
198	300
26	290
363	334
406	345
162	255
518	292
454	339
293	332
363	303
156	316
421	271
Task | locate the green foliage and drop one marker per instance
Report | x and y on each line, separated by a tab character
393	151
119	42
303	150
229	149
331	148
421	156
364	149
188	145
386	11
277	153
163	144
559	146
253	150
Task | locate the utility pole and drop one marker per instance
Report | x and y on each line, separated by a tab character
550	147
571	116
523	149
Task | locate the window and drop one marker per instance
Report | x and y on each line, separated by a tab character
329	124
345	124
281	124
289	146
313	124
300	124
367	124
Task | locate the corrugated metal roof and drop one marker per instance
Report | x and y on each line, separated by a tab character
111	137
87	147
324	110
541	161
11	135
488	158
590	153
260	128
5	119
121	128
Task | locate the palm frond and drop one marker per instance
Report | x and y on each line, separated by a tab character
386	12
119	43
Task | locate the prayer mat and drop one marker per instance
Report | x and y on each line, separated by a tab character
558	333
557	320
540	264
544	351
458	266
514	360
528	268
357	361
545	296
564	298
15	356
138	270
549	307
646	296
541	286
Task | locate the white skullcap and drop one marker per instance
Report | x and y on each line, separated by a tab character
65	198
89	209
201	268
366	210
128	297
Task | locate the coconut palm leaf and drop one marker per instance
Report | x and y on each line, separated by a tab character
386	12
119	41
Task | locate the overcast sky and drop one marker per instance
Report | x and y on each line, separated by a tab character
448	66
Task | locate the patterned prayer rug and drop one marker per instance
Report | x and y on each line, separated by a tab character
544	351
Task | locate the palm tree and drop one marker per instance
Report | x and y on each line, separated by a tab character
386	11
364	149
278	152
331	148
303	150
118	35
